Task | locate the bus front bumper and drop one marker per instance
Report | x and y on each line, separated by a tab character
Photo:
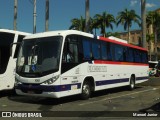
37	90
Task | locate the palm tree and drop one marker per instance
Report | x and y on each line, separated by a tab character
93	26
153	19
78	24
104	20
143	16
126	18
150	40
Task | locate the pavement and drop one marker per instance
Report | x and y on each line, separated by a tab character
119	103
153	81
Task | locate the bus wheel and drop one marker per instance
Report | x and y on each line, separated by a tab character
132	83
86	91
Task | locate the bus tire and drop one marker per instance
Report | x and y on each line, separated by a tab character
132	83
86	91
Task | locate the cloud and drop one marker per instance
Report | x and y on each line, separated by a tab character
133	2
150	5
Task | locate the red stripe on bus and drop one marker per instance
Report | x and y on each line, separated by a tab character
119	63
120	43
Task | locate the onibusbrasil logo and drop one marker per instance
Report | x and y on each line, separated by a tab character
21	114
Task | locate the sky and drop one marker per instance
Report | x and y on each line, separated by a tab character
62	11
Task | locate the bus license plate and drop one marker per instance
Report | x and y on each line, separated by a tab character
30	92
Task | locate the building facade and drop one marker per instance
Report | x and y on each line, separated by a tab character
136	39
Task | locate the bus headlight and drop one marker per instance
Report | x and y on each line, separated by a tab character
16	81
52	80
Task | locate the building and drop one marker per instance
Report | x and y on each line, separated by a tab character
136	39
135	36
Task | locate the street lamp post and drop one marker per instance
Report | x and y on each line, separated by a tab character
87	15
47	16
34	17
15	15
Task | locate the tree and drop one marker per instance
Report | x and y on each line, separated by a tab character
93	26
78	24
126	18
153	19
150	40
104	20
143	16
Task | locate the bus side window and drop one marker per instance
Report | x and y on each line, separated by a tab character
87	50
144	57
6	39
73	53
119	53
129	55
96	50
110	51
70	52
137	56
104	50
124	53
80	49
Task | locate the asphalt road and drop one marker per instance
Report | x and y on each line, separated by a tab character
112	103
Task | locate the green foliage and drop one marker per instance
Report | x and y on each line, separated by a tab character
126	18
115	34
78	24
153	18
104	21
150	38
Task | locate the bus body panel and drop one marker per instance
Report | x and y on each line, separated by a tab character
72	80
45	94
7	79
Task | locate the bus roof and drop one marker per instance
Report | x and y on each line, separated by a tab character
14	32
122	43
58	32
67	32
117	39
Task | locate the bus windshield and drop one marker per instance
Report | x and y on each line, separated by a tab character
38	57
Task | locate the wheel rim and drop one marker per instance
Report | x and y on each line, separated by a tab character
86	90
132	83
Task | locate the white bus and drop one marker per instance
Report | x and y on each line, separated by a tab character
7	62
63	63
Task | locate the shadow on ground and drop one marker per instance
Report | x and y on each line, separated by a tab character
53	101
6	93
154	108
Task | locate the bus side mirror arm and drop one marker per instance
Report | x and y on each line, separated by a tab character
11	45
